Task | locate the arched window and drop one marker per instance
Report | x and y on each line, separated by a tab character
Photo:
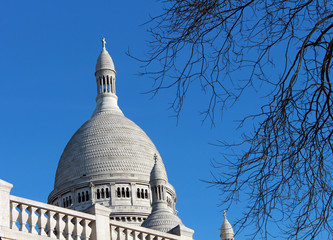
98	194
138	193
64	202
104	85
102	193
142	194
159	192
79	198
127	193
100	85
87	196
155	190
123	192
146	194
107	193
118	192
70	200
83	197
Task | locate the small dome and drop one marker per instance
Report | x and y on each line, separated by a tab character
158	172
104	61
226	229
162	220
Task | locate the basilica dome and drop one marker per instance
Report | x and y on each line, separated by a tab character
107	146
109	160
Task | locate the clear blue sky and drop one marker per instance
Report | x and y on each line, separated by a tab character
48	51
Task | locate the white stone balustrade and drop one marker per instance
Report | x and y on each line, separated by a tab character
47	220
24	219
123	231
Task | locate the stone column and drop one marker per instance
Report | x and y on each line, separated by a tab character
5	188
133	194
112	193
92	193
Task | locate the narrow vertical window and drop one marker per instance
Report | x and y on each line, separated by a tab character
138	193
146	194
155	190
107	193
83	197
87	196
123	192
159	192
142	194
79	198
98	194
118	192
102	193
127	193
70	200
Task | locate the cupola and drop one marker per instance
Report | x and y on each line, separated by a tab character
227	233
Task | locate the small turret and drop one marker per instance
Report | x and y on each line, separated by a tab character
105	74
162	218
227	233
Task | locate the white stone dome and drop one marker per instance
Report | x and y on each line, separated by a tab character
108	146
104	60
109	160
162	220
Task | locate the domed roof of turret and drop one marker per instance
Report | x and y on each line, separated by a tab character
226	229
104	60
158	172
162	220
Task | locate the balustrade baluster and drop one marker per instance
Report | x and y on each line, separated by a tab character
42	221
142	236
14	214
69	227
60	226
113	232
135	235
119	233
23	218
77	228
51	224
86	229
128	234
149	237
32	220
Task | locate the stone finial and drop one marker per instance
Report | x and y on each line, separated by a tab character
103	42
226	229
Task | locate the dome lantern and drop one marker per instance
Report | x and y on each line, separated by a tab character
105	74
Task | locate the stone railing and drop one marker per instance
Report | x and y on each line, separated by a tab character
47	220
24	219
121	231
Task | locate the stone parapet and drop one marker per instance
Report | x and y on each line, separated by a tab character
25	219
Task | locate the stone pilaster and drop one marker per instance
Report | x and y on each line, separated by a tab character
5	188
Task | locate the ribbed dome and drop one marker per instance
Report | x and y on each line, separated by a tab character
162	221
104	60
107	146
